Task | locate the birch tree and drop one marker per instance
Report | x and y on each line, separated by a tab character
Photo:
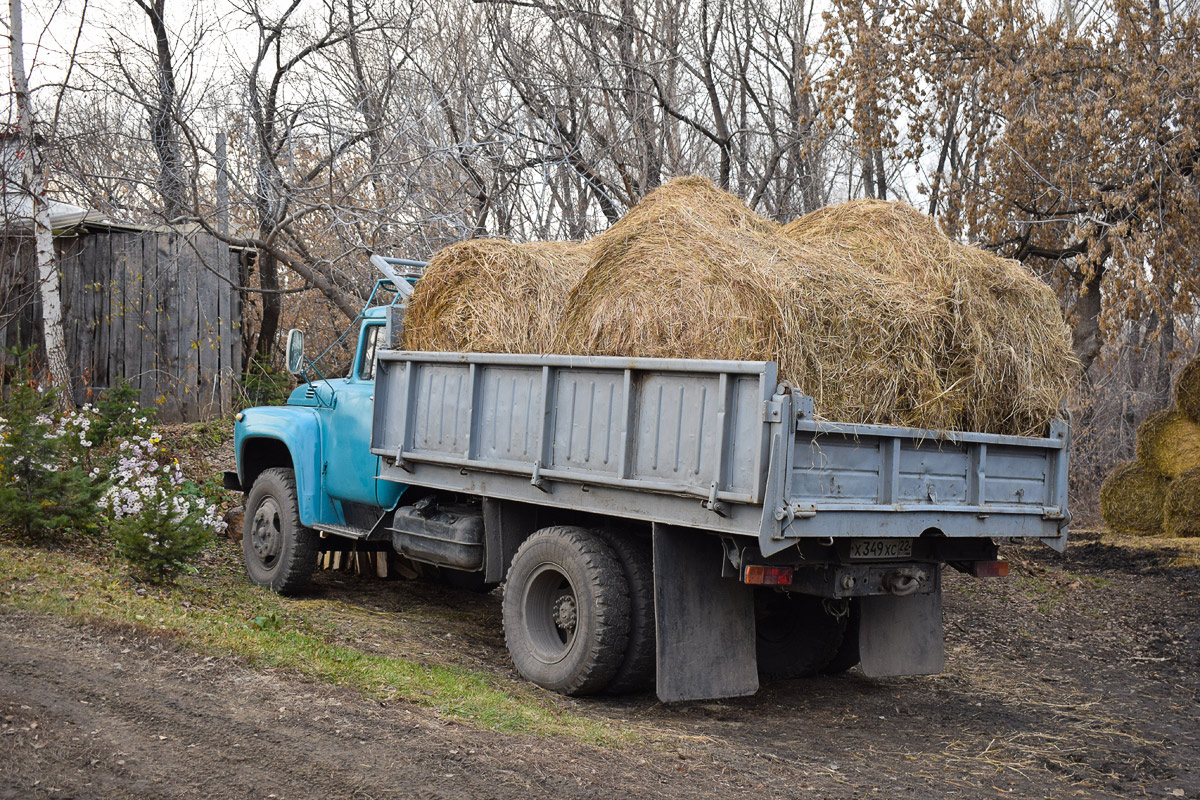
33	184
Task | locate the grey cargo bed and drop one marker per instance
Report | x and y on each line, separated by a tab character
715	445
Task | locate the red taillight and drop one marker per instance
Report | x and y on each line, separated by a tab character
768	576
989	569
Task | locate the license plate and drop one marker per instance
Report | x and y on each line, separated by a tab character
863	549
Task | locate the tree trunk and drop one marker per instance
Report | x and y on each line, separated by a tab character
172	186
53	335
268	277
1085	326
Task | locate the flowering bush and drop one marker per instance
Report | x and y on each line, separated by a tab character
99	467
46	489
158	518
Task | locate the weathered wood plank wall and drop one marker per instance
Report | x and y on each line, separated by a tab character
159	308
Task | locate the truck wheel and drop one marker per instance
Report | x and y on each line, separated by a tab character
796	637
637	559
280	553
566	611
847	653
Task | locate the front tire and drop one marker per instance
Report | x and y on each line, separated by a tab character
280	552
566	611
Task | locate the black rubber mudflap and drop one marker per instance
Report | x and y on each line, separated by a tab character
705	622
901	635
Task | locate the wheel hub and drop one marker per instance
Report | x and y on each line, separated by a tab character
551	615
566	615
266	532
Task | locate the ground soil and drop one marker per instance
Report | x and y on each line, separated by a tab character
1076	677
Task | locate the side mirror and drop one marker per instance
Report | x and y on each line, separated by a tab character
294	356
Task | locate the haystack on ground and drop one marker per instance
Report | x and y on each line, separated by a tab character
493	296
1181	515
1006	350
692	272
1131	499
1187	390
1169	442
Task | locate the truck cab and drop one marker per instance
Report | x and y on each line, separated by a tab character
312	455
323	434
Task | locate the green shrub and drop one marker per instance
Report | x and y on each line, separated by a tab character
158	519
46	491
118	415
266	386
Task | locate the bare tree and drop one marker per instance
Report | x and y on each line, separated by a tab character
164	108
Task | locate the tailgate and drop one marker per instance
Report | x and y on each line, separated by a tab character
879	481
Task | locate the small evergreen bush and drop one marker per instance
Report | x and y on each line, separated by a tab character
46	490
118	415
159	520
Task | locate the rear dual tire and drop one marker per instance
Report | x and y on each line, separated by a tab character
566	611
796	635
637	669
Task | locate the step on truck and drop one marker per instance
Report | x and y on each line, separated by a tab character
683	524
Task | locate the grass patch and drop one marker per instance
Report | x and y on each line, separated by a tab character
219	614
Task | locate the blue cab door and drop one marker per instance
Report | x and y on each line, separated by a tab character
350	469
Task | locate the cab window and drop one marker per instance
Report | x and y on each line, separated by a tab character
366	361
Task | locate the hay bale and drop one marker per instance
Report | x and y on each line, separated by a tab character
1187	390
1181	511
1005	350
692	272
1132	499
493	296
1169	442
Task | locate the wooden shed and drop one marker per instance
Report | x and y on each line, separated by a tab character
158	306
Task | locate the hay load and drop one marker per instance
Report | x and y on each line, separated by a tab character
692	272
1169	443
493	296
1181	512
1006	351
1131	499
868	307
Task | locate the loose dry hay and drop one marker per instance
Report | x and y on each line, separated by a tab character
868	307
1181	512
1169	442
692	272
1005	350
1131	499
1187	390
493	296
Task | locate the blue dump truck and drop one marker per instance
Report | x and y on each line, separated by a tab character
685	524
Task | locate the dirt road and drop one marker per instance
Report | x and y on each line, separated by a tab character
1077	678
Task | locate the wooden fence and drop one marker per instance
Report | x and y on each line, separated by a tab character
158	307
